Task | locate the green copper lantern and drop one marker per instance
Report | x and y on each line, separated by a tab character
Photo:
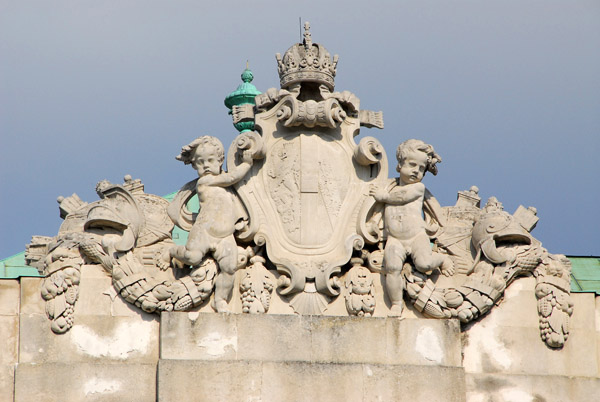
243	95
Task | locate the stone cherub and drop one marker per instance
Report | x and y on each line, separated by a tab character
403	219
212	230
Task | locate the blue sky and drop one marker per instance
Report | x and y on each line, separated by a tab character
508	92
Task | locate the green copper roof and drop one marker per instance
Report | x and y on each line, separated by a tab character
245	92
14	267
585	274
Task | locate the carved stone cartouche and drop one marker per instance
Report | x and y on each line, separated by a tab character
304	208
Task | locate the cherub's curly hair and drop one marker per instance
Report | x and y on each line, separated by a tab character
419	146
187	151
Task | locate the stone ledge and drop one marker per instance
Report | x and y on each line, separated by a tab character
92	339
9	297
9	338
66	382
301	381
490	348
505	387
7	382
31	298
199	336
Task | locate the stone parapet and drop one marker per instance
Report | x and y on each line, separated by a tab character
9	336
316	339
510	387
54	382
95	339
506	341
303	381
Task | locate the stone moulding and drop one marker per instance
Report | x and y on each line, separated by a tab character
305	209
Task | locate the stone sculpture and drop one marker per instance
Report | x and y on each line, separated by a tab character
360	296
404	224
213	227
302	208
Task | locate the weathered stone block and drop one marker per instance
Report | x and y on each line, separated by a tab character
9	348
119	308
300	381
198	336
9	297
31	299
62	382
506	387
583	311
413	383
9	339
304	381
93	271
92	338
309	338
274	338
492	349
7	382
519	307
348	339
423	342
93	296
193	380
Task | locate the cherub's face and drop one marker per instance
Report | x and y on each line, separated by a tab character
412	168
206	161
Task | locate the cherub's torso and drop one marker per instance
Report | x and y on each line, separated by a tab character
217	213
405	221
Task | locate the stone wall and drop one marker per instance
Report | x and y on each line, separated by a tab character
9	336
114	352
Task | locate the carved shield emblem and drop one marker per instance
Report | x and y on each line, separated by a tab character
305	198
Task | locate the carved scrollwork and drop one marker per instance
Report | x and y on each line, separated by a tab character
325	280
369	151
327	113
251	141
292	279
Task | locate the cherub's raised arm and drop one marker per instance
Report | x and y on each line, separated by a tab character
227	179
230	178
401	195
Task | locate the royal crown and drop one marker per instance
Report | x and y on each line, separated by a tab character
306	62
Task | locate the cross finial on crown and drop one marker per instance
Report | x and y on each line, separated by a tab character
307	36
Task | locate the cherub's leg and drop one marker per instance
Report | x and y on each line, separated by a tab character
393	259
423	257
226	255
194	250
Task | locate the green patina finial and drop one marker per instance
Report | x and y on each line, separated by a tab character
243	95
247	75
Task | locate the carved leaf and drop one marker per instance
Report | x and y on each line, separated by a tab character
60	304
566	322
556	321
71	295
544	307
50	308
